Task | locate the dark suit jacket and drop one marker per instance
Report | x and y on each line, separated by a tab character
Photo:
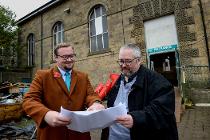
151	104
49	92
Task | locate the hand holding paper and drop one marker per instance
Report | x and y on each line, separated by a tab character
125	120
84	121
96	106
54	119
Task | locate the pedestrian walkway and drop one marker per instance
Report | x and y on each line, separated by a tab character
195	124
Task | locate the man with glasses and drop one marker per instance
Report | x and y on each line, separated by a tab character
56	87
148	97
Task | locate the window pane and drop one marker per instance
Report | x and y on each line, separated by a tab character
104	22
98	27
103	10
59	37
98	23
55	29
62	36
54	39
58	33
59	27
99	42
93	44
92	28
31	50
97	10
92	15
106	41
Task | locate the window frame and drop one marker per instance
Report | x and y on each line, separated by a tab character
100	17
31	49
58	35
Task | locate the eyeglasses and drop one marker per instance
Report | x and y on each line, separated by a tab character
126	61
71	56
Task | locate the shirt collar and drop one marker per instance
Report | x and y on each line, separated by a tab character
63	72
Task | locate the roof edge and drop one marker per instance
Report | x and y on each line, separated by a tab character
37	11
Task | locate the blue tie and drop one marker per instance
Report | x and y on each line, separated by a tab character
67	80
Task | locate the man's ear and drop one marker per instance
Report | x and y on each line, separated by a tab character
139	60
55	58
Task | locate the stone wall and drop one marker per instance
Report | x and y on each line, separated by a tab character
192	47
125	24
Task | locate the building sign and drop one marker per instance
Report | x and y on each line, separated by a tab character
161	34
162	49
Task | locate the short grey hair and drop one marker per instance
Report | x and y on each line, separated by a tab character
134	47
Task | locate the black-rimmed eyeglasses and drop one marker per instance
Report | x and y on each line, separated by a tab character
126	61
71	56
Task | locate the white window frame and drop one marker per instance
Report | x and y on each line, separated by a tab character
58	35
100	29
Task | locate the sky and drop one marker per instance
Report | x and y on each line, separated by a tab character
22	7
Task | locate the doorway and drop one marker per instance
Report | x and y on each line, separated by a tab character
165	64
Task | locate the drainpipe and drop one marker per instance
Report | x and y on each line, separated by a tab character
41	41
205	33
122	21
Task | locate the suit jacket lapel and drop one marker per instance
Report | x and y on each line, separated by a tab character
73	81
57	75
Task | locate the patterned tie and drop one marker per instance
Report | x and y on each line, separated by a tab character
67	80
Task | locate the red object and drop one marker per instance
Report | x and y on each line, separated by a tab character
102	93
102	90
108	85
106	88
99	87
57	74
114	77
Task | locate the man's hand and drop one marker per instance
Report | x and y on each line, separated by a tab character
125	120
96	106
54	119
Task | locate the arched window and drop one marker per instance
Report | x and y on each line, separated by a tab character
98	31
31	49
58	34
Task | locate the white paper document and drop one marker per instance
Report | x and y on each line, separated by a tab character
84	121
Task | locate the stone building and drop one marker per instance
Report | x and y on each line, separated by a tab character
172	34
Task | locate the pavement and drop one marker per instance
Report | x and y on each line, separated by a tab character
195	124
